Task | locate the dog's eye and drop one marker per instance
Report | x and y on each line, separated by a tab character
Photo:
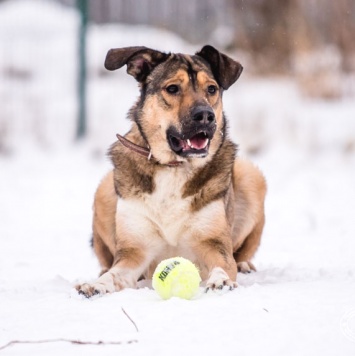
212	89
172	89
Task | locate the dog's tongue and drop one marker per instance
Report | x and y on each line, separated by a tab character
198	142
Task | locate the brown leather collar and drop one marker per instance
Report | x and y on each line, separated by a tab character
146	152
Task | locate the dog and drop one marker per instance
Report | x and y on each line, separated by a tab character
177	187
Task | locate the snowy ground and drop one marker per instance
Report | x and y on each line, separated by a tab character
300	302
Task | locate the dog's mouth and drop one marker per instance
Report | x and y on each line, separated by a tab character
195	145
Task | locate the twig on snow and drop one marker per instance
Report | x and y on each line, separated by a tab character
72	341
132	321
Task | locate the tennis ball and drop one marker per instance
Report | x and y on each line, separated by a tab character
176	277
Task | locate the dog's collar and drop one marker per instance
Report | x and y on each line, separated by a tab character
144	151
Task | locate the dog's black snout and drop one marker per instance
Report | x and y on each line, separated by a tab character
204	115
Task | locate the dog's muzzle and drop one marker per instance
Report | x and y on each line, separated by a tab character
196	135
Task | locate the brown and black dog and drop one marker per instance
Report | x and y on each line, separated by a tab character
176	188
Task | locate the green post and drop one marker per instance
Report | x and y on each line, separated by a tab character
82	6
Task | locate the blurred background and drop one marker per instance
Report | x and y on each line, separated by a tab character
292	111
54	89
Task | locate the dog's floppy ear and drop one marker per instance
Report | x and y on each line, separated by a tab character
225	69
140	60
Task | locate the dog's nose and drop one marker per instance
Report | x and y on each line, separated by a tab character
203	114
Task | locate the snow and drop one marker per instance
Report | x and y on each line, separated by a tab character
301	300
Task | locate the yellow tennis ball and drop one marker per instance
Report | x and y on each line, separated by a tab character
176	277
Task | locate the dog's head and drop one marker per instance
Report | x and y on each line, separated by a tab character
179	112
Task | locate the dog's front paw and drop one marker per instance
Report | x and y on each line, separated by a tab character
219	279
89	290
246	267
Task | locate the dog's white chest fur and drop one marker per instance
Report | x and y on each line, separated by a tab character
164	212
166	206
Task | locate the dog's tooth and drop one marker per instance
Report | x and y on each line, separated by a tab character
189	142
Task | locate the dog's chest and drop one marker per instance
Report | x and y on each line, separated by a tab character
166	207
162	215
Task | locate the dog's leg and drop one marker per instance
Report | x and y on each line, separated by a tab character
246	251
104	225
102	252
128	266
250	189
215	255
